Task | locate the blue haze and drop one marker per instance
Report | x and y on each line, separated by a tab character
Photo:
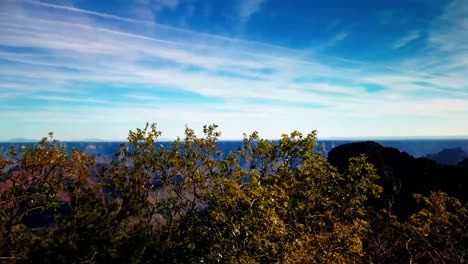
416	148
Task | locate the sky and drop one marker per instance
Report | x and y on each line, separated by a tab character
97	69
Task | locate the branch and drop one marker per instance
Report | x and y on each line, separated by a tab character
10	258
409	252
430	246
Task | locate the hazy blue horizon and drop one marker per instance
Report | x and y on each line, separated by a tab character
426	138
415	147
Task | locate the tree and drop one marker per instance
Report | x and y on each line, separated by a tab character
437	233
268	202
290	206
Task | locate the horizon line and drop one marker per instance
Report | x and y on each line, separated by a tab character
365	138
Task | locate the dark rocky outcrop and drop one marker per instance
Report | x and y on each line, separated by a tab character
463	163
403	175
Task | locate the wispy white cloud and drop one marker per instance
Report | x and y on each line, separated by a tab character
247	8
449	32
68	99
446	49
119	74
335	40
340	36
149	9
404	41
144	97
168	30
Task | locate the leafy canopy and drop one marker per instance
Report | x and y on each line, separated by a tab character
267	202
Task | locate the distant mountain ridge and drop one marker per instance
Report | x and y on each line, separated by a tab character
416	148
451	156
22	140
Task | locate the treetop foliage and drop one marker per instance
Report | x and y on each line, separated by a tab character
267	202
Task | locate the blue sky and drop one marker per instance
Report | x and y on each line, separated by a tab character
95	69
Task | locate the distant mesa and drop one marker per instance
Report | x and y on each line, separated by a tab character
451	156
94	140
